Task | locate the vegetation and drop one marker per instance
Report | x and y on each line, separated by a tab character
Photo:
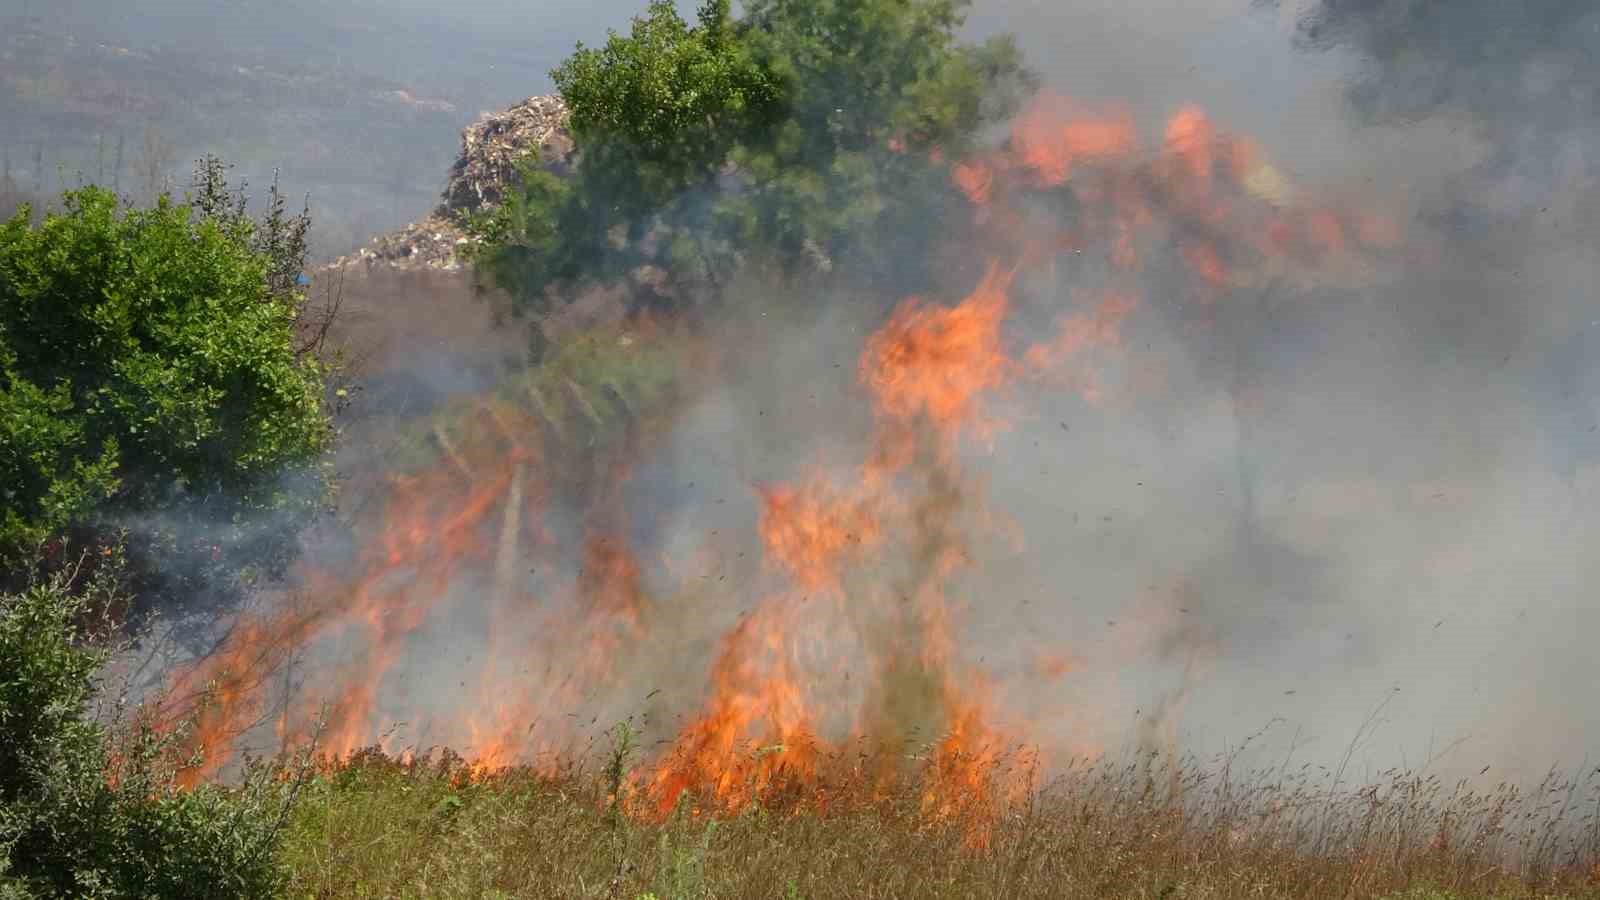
434	828
800	137
87	811
153	379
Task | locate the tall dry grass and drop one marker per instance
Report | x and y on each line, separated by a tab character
1147	827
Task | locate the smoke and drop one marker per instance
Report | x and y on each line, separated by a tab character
1343	501
1410	508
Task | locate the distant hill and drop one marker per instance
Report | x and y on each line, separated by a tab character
358	102
479	52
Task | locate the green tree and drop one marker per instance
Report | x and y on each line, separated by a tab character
151	380
662	109
805	136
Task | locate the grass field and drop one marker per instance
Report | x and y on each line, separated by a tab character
375	826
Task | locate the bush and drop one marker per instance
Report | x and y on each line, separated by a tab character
89	811
151	379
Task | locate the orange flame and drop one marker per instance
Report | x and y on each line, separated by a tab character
936	361
1192	141
1051	136
756	731
810	531
975	179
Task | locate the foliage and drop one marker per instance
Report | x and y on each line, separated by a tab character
578	408
85	812
664	107
279	239
805	136
150	379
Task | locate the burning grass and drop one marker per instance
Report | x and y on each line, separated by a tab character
868	559
507	538
1149	827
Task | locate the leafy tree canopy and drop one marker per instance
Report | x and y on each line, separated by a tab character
150	377
805	135
671	100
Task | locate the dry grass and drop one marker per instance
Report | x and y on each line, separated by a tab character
376	827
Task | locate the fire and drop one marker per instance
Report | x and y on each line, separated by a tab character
225	689
1053	665
1326	231
756	732
959	782
936	361
1051	136
1203	258
928	370
975	179
1214	194
810	531
431	527
859	567
1078	333
1192	141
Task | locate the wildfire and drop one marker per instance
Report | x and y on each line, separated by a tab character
1204	187
1076	335
935	361
756	732
926	370
975	180
858	565
1052	135
810	530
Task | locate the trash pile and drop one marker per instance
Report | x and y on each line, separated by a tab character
432	243
491	149
492	146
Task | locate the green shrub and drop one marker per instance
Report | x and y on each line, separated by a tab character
90	811
152	380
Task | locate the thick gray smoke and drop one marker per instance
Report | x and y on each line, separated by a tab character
1359	512
1409	508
